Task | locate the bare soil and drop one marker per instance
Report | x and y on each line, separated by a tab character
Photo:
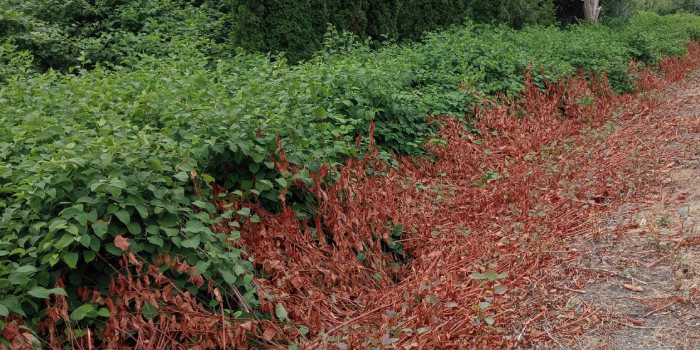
635	281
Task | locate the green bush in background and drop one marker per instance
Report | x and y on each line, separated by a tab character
62	34
664	7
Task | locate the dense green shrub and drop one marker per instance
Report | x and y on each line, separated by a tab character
297	27
516	13
662	7
625	8
132	151
691	6
668	38
14	64
63	34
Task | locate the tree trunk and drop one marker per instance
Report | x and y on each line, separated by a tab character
591	10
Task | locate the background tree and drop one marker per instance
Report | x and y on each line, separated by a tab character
591	10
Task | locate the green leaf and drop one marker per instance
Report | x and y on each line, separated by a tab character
194	226
95	244
143	212
29	269
65	241
54	259
320	112
500	289
228	277
491	276
182	176
201	266
149	311
18	278
156	241
199	204
280	312
4	311
72	229
43	293
244	212
263	185
71	259
12	304
191	243
168	220
477	276
123	216
81	312
207	178
134	228
100	229
82	219
57	224
112	249
238	269
85	240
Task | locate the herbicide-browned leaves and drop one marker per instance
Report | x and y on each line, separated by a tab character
477	226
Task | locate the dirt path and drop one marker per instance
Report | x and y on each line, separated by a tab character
636	282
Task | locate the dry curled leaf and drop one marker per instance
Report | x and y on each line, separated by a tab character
269	333
633	288
121	243
635	321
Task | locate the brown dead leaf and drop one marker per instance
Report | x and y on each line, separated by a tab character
121	243
635	321
633	287
535	333
248	325
132	258
10	331
269	333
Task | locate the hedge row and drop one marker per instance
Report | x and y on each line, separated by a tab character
285	25
64	33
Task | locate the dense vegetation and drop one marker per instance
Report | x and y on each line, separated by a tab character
145	115
63	33
665	7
